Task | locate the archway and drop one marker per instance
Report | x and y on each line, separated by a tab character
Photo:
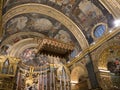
79	78
108	65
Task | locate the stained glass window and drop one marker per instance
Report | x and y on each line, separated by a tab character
99	30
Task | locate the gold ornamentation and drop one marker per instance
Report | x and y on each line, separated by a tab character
94	46
106	55
54	46
11	62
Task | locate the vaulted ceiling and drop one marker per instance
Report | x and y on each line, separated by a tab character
81	22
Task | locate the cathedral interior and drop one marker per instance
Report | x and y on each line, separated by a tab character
59	45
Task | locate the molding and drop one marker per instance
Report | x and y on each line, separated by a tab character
24	43
94	46
9	40
113	6
49	11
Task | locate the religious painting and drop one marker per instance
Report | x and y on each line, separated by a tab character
17	24
30	22
42	24
30	58
27	56
88	15
63	36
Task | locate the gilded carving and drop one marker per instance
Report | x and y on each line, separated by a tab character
8	66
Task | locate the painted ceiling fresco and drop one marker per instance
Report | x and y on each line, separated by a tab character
89	15
38	23
44	25
85	13
29	57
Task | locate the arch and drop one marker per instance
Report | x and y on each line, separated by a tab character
103	52
103	56
10	39
49	11
79	78
20	46
77	73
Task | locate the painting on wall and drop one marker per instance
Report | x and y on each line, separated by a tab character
89	14
31	22
29	57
